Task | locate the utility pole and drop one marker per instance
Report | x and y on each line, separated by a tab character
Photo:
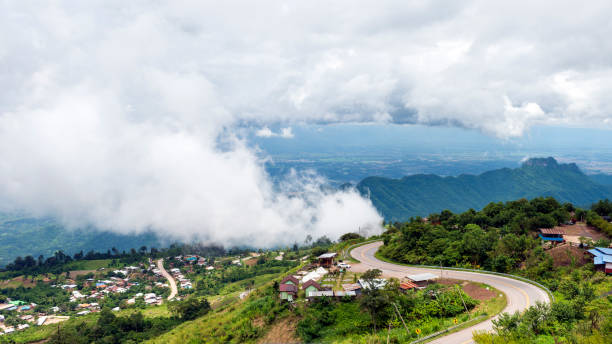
464	306
401	318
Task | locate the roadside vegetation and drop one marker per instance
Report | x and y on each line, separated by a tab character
389	312
503	237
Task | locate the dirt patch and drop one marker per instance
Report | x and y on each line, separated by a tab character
282	331
250	262
582	229
54	319
477	292
18	282
258	322
448	281
75	273
563	255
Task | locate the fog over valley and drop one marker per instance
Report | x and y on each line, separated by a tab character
136	117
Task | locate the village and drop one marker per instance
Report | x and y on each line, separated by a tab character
331	279
79	295
574	240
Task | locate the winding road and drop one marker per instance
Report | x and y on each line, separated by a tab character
520	295
173	289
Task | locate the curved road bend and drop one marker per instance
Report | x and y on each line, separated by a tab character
520	295
173	289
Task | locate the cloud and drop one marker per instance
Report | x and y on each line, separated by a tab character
125	114
286	133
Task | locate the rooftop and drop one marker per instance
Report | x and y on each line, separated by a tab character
287	288
328	255
407	285
351	286
422	277
552	231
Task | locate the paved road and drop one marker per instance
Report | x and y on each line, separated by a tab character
520	295
173	289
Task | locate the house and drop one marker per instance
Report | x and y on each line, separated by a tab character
311	286
41	321
345	293
552	234
407	285
322	293
27	317
327	259
6	306
422	280
354	287
602	258
22	326
288	291
290	280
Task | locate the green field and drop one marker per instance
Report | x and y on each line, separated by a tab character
89	264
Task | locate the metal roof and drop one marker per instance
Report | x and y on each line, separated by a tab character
552	231
595	252
351	286
377	283
601	255
311	283
605	250
422	277
321	293
328	255
287	288
408	285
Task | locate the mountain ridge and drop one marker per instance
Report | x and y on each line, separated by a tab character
422	194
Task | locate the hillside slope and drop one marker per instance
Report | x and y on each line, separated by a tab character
25	235
603	179
399	199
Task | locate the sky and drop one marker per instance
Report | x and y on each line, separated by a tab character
132	116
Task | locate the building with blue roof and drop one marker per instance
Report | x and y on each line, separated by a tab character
552	234
602	258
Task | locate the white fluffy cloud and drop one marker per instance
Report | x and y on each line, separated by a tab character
114	112
286	133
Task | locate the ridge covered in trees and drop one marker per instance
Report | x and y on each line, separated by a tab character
399	199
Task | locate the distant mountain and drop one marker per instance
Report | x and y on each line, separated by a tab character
422	194
603	179
23	235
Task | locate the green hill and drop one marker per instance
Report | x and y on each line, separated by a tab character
420	195
603	179
24	235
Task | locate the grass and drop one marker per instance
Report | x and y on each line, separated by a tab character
239	286
88	264
40	333
484	311
149	312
